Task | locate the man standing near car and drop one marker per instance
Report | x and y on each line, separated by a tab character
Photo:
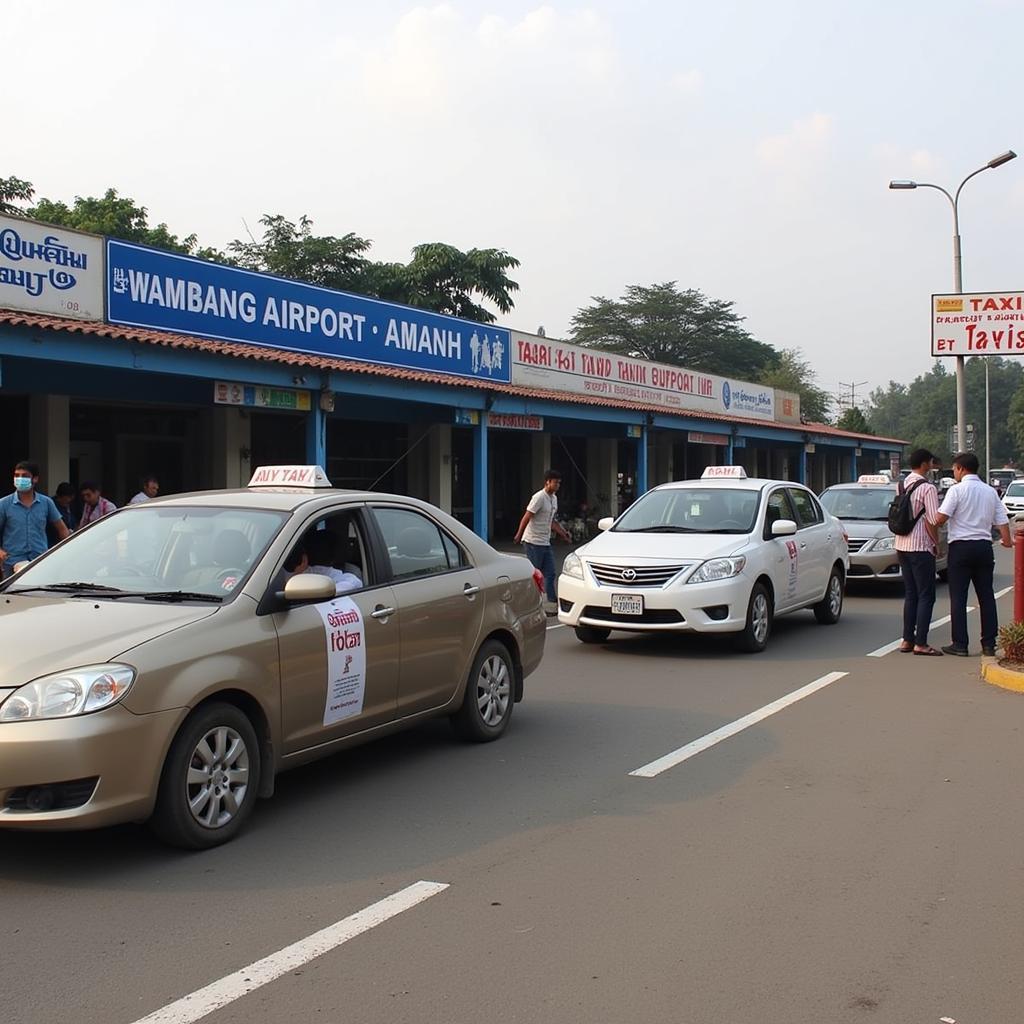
972	508
24	516
916	552
535	530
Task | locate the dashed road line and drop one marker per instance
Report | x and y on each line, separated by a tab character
219	993
684	753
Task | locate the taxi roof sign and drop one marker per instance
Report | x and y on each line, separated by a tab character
873	478
289	476
724	472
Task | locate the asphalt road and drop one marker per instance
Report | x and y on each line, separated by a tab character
854	857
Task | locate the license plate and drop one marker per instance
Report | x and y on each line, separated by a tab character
627	604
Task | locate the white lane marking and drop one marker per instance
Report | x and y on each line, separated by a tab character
649	771
1003	592
218	994
881	652
557	625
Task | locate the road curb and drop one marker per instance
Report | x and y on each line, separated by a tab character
1001	676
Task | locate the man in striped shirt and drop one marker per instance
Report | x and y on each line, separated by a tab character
916	552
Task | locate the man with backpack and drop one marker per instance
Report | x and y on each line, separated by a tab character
972	508
913	516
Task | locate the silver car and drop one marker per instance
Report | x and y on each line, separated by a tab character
863	509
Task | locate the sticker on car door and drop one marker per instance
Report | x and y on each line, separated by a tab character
346	659
794	568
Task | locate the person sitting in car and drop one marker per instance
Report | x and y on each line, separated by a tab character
315	554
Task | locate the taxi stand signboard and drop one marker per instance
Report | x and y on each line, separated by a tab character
978	324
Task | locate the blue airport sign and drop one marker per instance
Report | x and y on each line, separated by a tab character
169	292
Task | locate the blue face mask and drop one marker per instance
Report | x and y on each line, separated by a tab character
23	483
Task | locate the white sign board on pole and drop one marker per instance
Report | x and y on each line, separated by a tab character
558	366
978	324
46	269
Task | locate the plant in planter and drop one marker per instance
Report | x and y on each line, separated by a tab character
1011	639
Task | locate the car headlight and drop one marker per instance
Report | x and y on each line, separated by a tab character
884	544
718	569
573	566
65	694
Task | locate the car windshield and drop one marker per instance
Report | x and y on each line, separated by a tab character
691	510
858	502
158	552
1016	489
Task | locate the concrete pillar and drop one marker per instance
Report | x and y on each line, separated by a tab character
540	460
603	473
230	447
439	461
641	462
802	470
664	467
49	439
853	465
316	435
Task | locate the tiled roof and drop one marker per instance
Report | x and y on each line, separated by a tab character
261	353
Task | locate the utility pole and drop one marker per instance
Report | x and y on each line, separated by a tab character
853	385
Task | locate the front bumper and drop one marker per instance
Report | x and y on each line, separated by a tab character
718	607
121	752
881	566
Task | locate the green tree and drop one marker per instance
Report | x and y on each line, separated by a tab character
439	277
924	411
793	373
118	217
14	192
665	325
854	420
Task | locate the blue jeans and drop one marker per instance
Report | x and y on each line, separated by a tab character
918	569
541	557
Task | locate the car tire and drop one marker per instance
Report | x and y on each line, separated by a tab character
830	607
753	638
592	634
217	741
490	695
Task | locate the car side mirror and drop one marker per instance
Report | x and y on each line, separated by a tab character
605	523
308	587
783	528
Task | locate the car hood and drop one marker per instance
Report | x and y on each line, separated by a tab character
39	635
662	547
857	529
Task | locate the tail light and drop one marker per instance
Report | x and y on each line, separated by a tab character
538	580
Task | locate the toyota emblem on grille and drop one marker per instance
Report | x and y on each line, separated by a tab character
629	574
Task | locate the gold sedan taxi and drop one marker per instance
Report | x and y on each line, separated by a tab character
167	662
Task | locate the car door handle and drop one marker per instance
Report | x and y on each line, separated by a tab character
469	590
803	547
380	612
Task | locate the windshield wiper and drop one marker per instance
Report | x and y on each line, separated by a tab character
664	529
70	588
177	595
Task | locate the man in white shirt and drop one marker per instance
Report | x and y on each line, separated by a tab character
972	508
535	531
150	489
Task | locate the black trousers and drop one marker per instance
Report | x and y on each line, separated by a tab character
972	562
918	569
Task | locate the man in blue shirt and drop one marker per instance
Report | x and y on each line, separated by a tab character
24	516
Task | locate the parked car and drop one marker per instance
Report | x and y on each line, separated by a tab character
723	554
1013	498
863	509
169	660
1000	479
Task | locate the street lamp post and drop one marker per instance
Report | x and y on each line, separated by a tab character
958	279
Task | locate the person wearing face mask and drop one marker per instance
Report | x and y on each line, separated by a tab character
24	516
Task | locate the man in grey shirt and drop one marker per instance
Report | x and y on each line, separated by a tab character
535	531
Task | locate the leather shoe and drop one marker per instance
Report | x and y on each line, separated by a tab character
953	649
989	652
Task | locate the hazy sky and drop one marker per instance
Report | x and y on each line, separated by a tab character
741	148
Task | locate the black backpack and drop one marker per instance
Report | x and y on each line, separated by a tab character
901	516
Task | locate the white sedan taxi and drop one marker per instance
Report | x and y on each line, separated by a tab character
723	554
